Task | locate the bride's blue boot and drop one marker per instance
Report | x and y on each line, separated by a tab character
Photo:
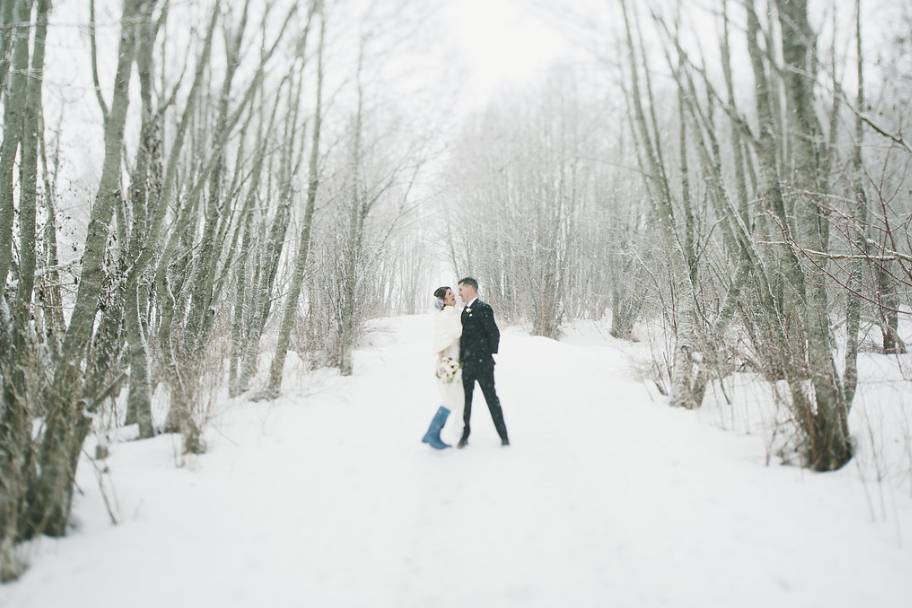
432	437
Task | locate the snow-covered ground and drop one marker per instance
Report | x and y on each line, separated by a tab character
607	497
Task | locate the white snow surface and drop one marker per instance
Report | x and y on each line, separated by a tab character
607	497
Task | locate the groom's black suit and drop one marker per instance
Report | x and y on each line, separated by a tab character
480	340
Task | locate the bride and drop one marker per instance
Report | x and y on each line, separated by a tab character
447	332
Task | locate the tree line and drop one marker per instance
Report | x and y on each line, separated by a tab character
738	178
252	190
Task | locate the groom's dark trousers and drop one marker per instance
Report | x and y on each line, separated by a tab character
484	375
480	341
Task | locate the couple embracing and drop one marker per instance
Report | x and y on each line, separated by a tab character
464	344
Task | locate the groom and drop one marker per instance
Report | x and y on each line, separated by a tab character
480	340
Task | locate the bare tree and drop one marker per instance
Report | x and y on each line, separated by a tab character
289	313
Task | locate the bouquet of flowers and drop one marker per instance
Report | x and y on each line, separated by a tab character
447	368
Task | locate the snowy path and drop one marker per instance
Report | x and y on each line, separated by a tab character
327	498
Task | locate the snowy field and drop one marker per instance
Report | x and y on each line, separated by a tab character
607	497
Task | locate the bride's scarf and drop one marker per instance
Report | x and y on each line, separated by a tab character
447	328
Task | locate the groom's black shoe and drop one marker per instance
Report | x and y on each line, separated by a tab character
505	442
464	440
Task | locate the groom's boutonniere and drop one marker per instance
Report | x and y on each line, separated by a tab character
469	309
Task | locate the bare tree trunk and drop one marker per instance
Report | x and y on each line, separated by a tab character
184	359
14	110
15	447
684	318
289	314
28	130
829	446
888	305
782	325
266	262
7	35
859	227
49	291
242	313
347	322
28	167
67	426
17	394
145	188
261	299
151	214
736	137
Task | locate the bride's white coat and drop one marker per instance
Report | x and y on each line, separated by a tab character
446	333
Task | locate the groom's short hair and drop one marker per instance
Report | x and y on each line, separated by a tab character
469	281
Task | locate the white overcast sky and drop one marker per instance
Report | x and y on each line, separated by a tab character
503	42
